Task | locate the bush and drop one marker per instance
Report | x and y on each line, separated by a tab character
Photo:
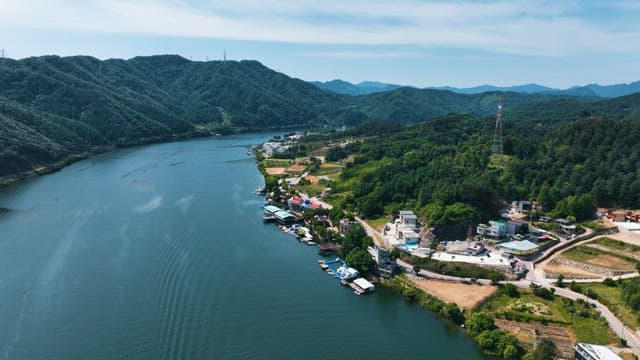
510	290
609	282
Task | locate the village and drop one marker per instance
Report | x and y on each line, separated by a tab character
524	247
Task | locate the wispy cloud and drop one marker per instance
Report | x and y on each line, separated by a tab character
543	28
363	54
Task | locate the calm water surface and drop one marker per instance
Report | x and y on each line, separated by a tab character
159	252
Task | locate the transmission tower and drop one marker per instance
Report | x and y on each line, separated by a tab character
496	147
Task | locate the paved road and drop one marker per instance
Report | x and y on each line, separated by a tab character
534	276
616	325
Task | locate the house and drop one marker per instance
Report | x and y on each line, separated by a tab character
495	229
297	204
516	227
408	218
520	206
270	148
345	225
585	351
385	263
407	234
475	249
618	216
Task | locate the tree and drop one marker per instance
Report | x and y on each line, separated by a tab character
510	290
545	350
360	260
416	269
560	282
479	322
452	312
356	237
495	277
510	352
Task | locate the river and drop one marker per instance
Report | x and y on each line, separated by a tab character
159	252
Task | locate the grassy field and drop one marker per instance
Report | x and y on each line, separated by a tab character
585	323
598	257
378	223
276	163
610	296
313	189
618	247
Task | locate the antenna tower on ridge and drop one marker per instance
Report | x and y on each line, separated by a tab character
496	147
2	53
224	55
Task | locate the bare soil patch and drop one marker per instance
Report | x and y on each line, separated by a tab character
569	271
530	333
612	262
275	170
466	296
295	168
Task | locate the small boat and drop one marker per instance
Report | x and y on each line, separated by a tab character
321	261
324	267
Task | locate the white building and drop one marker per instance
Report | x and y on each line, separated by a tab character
408	218
594	352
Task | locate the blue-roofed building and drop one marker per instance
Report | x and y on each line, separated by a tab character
522	248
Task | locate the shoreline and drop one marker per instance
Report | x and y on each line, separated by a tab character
11	179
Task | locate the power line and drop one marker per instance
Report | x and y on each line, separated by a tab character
497	146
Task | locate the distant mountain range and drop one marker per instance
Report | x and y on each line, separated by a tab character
591	90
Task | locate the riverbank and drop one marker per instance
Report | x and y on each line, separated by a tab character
198	132
434	295
162	251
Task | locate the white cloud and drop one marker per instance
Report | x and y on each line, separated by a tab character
544	28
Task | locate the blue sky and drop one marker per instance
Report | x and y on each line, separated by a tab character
412	42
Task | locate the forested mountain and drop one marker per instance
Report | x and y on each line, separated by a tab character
54	107
443	168
364	88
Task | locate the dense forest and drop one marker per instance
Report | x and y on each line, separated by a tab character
53	108
443	168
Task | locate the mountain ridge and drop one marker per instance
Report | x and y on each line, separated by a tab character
53	108
591	90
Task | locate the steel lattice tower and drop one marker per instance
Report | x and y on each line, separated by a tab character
496	147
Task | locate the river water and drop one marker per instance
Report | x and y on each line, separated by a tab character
159	252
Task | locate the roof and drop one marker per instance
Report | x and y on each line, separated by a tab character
598	352
524	245
295	200
406	212
409	216
363	283
284	214
272	209
409	232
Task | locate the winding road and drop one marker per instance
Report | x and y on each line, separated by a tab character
534	276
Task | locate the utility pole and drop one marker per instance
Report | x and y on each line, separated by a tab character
497	146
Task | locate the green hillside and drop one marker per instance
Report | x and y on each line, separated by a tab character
53	108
